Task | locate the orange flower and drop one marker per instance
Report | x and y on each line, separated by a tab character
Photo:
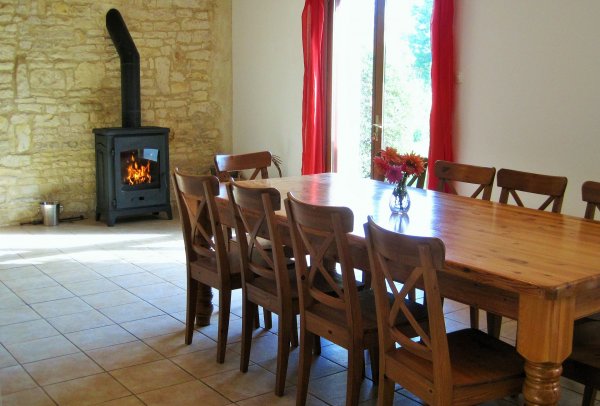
396	167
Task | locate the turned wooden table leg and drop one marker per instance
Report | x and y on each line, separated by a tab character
542	383
204	306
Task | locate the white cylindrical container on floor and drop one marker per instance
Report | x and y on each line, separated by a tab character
50	213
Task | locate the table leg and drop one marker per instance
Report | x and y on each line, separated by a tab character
542	385
204	306
544	339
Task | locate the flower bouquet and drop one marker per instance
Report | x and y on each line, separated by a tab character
397	168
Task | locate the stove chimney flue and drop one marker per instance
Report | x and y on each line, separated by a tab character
130	69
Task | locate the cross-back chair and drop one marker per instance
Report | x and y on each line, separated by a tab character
258	162
583	365
511	182
342	314
210	260
268	278
450	172
465	367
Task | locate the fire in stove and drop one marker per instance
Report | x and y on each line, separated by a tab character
139	167
137	173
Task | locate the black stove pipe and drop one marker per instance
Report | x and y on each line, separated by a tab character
130	69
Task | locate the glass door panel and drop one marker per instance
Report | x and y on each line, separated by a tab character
352	87
407	75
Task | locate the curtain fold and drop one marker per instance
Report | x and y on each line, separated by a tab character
441	120
314	98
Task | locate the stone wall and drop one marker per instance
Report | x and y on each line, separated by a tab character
60	78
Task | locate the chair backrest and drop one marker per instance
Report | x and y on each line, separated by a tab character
256	226
202	229
512	181
590	192
256	161
414	262
449	172
321	232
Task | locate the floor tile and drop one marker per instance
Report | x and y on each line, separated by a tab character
22	272
27	397
44	294
174	343
163	289
100	337
202	364
87	390
131	311
332	389
74	276
236	386
91	287
170	304
124	355
6	360
34	282
14	379
17	314
126	401
110	298
61	369
79	321
150	376
41	348
26	331
136	279
61	307
153	326
8	300
288	399
188	393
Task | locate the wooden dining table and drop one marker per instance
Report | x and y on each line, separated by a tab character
541	269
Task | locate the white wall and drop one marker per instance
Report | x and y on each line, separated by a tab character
267	79
529	96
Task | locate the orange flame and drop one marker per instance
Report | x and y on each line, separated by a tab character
137	173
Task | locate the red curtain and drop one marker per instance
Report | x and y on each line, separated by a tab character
314	101
442	85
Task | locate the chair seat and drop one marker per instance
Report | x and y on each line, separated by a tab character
205	270
584	363
471	353
366	299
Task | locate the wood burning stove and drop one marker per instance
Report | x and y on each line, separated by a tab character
132	172
132	162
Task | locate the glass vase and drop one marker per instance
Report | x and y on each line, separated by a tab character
400	199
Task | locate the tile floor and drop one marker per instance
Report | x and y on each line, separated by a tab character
91	314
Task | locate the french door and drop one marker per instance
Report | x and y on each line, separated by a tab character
381	81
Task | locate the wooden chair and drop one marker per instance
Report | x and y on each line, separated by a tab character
258	162
511	182
210	260
345	315
450	172
590	192
465	367
583	365
268	278
341	315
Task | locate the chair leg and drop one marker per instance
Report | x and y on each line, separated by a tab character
256	319
306	343
283	352
224	309
268	319
294	335
190	310
494	324
248	317
385	393
589	396
316	344
356	360
474	314
374	357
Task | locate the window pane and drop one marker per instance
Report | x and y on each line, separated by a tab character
352	87
407	80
